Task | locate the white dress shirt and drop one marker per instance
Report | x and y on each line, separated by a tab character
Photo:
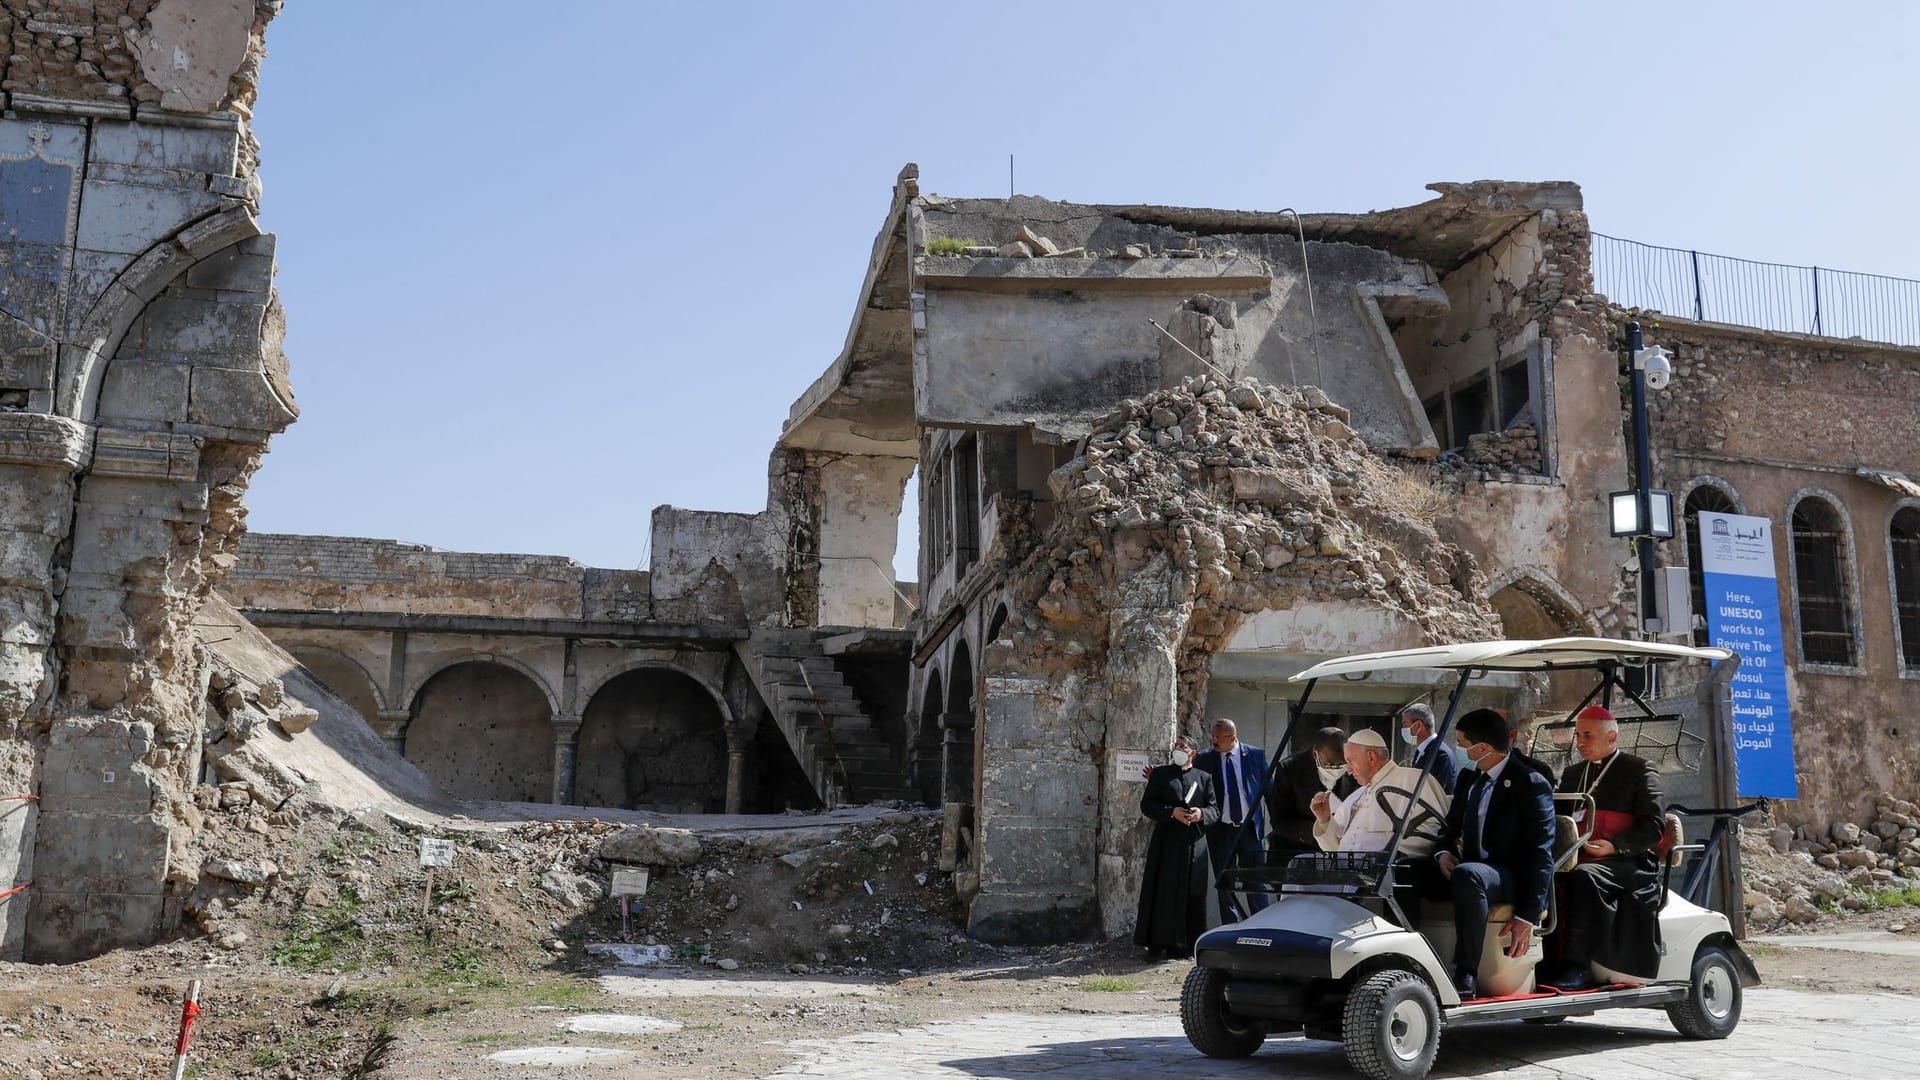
1361	822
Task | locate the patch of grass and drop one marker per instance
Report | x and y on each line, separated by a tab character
947	245
1110	984
457	889
320	937
1891	898
266	1059
557	992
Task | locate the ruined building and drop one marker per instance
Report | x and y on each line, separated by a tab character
1130	522
140	379
1167	458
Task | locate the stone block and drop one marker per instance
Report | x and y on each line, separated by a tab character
233	270
648	846
166	146
131	218
138	390
239	399
1021	855
180	329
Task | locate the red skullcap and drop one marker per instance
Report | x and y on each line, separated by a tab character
1594	712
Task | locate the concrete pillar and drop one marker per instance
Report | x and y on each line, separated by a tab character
956	757
1143	686
566	758
860	500
736	779
392	729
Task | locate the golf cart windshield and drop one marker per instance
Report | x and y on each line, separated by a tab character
1369	872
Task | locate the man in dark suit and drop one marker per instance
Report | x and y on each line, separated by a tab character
1520	752
1417	728
1497	847
1239	774
1296	780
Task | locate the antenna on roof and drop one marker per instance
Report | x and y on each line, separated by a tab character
1319	369
1009	176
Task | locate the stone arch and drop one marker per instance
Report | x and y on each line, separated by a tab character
926	740
1903	579
719	698
1832	626
345	676
97	336
1706	494
960	680
1563	611
996	623
482	728
411	697
654	737
1533	605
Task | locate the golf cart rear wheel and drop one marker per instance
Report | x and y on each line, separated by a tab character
1211	1027
1391	1026
1711	1009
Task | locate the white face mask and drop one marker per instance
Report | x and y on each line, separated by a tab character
1331	776
1407	736
1182	757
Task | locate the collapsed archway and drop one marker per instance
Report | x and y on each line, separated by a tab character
653	739
1532	608
348	680
483	730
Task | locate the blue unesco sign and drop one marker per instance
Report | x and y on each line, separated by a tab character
1742	597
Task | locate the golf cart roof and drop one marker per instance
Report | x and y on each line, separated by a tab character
1553	653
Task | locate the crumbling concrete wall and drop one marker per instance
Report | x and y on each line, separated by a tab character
1191	510
140	379
1011	336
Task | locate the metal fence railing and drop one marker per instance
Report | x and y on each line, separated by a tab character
1766	296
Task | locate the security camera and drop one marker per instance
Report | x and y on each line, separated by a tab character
1654	363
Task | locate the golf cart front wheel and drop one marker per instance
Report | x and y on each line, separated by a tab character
1711	1009
1211	1027
1391	1026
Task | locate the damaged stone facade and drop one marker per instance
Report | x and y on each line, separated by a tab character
140	379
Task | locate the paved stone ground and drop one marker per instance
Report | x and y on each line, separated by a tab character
1784	1034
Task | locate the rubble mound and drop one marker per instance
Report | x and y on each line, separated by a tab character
1795	875
1266	498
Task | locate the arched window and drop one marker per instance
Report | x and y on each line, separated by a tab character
1708	499
1825	603
1904	544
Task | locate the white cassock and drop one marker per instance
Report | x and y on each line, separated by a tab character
1364	820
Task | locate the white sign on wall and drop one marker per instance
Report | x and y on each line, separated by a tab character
1131	765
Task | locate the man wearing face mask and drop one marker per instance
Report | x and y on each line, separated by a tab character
1181	801
1239	774
1497	847
1366	819
1298	778
1417	731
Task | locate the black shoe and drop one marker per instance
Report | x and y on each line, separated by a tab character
1574	979
1467	985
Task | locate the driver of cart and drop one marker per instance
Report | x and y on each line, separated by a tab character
1610	902
1365	819
1497	847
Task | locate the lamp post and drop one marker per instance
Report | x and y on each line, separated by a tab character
1646	512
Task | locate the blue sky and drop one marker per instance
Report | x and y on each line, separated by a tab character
547	267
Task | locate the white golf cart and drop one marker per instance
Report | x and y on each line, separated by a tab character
1331	957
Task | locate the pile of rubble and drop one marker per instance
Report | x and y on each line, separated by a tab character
1497	455
1265	497
1794	874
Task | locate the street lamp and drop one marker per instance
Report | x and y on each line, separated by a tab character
1645	513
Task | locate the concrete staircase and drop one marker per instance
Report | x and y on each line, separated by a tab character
847	757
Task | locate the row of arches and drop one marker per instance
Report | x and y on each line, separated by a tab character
1823	572
650	737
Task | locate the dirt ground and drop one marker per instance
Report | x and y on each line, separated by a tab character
115	1016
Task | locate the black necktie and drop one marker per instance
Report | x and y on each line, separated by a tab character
1471	850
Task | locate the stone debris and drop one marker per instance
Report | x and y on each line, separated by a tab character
1265	498
646	845
1796	874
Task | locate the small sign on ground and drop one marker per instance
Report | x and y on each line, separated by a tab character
435	852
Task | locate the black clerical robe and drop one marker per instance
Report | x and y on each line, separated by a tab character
1609	906
1173	888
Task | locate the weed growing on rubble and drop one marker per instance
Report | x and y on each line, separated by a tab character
1110	984
947	245
1891	898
